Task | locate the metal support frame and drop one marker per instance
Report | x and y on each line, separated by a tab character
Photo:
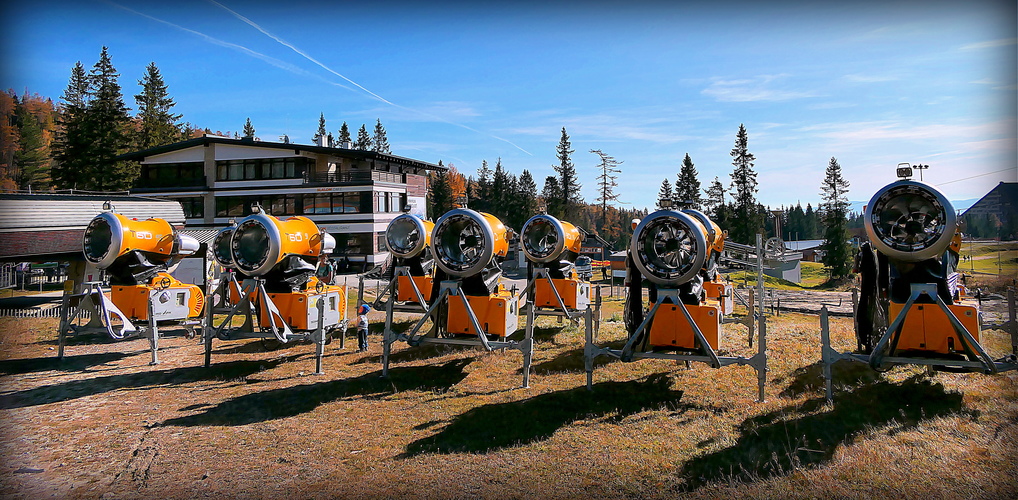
248	330
629	353
101	311
882	356
449	289
590	316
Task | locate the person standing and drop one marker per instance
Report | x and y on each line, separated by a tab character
362	327
326	270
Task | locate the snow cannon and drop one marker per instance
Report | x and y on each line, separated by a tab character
545	239
408	235
131	250
262	244
910	221
465	242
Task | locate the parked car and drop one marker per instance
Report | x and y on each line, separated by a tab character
584	268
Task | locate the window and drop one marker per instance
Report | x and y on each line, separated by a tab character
350	244
261	169
380	242
171	175
193	207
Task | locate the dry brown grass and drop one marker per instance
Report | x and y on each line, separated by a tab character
453	423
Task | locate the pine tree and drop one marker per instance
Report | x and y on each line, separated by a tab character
811	223
344	136
687	187
32	158
440	198
107	124
714	201
158	124
321	129
552	194
500	196
568	183
747	219
526	196
363	142
607	182
249	130
379	143
665	196
834	211
480	199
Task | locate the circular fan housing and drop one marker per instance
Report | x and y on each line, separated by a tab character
260	241
110	235
408	235
221	249
544	238
715	236
465	241
910	221
669	247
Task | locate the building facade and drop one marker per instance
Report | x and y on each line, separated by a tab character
352	194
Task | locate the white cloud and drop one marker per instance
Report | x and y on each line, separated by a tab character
1003	42
857	78
761	88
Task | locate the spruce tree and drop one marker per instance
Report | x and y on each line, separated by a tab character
440	198
32	158
552	194
606	182
321	129
249	130
500	196
526	195
568	183
107	124
158	125
72	145
834	212
747	219
665	196
379	143
687	187
344	135
480	199
714	201
363	141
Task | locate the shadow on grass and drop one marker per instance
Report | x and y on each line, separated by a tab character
541	333
421	352
809	379
494	426
573	360
69	363
291	401
75	389
773	445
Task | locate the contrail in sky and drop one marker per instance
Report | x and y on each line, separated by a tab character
330	70
271	60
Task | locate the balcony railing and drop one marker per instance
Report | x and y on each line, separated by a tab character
353	177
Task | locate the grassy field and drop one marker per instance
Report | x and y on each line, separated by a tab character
454	423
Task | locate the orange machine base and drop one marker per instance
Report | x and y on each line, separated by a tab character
180	302
496	314
927	327
405	292
670	328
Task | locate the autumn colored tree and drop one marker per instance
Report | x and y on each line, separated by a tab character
458	186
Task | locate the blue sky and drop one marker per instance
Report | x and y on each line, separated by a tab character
870	83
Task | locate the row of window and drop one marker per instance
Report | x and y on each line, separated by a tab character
261	168
302	204
171	175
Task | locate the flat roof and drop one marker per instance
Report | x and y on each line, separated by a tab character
341	152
